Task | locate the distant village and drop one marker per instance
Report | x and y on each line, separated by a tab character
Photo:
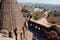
38	13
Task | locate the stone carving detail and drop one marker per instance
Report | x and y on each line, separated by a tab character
4	32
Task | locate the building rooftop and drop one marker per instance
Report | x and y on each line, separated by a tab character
42	21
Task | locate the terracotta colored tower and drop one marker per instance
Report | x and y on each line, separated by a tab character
12	17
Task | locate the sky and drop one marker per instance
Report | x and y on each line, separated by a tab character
40	1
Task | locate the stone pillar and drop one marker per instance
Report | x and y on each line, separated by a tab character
25	29
24	33
13	35
19	33
26	24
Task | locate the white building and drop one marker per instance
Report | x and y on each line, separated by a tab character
38	9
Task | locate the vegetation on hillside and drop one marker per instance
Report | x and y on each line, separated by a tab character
54	19
38	15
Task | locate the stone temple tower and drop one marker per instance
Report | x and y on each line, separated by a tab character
13	20
12	17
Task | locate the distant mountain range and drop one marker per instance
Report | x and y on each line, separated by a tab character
47	6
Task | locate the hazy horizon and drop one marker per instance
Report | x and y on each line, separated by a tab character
57	2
